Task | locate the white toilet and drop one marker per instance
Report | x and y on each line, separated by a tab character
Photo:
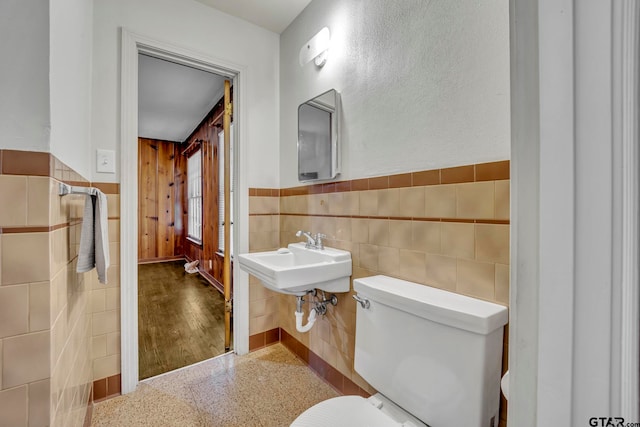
434	357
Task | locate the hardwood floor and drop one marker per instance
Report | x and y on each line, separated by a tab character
180	318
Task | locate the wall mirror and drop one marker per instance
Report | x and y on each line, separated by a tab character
318	149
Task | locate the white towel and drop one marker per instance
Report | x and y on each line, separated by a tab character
94	237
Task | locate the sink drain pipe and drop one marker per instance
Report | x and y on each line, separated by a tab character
310	320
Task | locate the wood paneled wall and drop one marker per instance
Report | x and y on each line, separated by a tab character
161	200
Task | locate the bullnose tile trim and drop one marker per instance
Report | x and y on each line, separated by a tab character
492	171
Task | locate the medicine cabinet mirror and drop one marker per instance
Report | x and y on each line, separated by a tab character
318	145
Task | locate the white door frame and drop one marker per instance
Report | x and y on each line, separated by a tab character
573	339
132	45
626	98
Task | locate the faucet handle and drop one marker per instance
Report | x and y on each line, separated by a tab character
319	242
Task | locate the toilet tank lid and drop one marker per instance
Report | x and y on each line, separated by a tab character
448	308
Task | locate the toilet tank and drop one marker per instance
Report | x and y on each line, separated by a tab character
436	354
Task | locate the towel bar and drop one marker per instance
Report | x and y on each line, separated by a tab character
65	189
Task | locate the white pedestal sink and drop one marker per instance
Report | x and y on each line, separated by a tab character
296	270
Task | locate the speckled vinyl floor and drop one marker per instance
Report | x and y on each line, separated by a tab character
266	388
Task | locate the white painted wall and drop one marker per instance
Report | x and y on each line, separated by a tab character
424	84
24	75
193	26
71	23
45	78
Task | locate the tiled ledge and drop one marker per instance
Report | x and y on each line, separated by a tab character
400	218
36	163
264	192
493	171
34	229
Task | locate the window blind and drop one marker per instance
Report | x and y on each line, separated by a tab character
194	196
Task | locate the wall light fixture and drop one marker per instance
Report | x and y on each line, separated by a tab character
317	48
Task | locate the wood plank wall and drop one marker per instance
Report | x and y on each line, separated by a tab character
161	200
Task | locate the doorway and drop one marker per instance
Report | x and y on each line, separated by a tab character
182	312
132	45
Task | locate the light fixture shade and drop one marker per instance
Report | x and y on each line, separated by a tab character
315	47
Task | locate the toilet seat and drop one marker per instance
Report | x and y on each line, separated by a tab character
350	411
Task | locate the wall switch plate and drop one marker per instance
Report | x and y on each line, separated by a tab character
105	161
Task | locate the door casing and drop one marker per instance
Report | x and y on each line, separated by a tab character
133	44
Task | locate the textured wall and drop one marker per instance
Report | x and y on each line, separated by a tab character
46	78
24	75
424	84
199	28
70	52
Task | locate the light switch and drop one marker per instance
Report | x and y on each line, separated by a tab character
106	161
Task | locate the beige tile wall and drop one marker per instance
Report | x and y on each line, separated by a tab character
70	382
264	234
44	378
105	304
451	236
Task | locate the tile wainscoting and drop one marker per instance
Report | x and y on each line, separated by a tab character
45	306
447	228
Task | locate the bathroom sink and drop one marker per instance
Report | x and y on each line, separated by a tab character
295	269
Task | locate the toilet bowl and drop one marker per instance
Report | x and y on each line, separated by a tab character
350	411
434	357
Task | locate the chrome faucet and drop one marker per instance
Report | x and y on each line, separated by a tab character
313	242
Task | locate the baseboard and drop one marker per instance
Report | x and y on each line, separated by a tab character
206	276
212	281
106	388
264	339
161	259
